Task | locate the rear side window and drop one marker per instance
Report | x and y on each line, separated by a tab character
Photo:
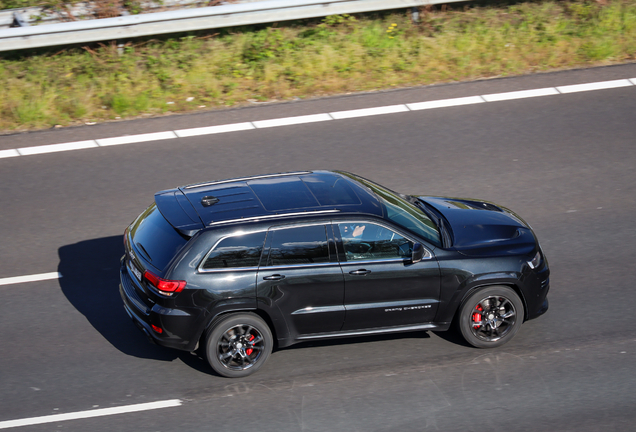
299	245
237	251
155	239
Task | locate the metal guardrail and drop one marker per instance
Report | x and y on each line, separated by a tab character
38	15
127	27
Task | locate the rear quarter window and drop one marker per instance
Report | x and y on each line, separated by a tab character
235	252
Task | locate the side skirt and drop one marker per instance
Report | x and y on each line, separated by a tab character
381	330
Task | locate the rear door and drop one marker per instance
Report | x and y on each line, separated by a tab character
301	277
383	288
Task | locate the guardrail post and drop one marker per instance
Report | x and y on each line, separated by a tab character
415	14
18	21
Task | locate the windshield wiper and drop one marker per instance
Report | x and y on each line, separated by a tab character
145	252
437	220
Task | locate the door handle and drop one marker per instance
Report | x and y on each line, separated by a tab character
274	277
361	272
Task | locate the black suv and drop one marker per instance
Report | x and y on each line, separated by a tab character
239	266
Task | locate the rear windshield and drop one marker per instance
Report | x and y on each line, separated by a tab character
155	239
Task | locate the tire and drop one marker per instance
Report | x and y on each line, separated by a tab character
238	345
490	316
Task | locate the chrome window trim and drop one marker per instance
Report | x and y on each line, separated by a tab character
299	225
192	186
295	266
229	269
428	255
376	261
200	268
279	215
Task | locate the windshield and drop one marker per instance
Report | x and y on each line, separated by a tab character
403	213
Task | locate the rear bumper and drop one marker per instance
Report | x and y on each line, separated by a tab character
175	324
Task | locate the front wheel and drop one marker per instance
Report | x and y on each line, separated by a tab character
238	345
491	316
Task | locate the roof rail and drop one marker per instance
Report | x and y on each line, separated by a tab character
279	215
196	185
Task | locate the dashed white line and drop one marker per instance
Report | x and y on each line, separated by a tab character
51	148
9	153
496	97
130	139
89	414
208	130
338	115
30	278
365	112
603	85
288	121
444	103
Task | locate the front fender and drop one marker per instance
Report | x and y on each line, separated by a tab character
453	294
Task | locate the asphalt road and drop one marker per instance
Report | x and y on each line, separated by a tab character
566	163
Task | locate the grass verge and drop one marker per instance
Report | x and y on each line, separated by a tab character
336	55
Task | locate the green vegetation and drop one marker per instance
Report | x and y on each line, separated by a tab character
336	55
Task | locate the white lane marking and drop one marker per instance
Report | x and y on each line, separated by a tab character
443	103
30	278
365	112
287	121
339	115
496	97
90	413
9	153
594	86
130	139
209	130
51	148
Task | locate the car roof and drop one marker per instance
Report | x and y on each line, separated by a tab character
270	196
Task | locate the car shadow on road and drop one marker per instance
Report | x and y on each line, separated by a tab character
452	335
90	282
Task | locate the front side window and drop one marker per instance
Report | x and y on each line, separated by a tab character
368	241
236	251
299	245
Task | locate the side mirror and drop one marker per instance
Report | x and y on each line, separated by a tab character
418	253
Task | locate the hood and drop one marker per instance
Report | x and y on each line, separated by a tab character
483	228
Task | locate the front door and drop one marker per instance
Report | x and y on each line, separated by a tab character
383	288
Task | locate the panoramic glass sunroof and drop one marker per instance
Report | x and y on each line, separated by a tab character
283	194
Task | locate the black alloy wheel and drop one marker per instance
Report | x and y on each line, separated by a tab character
238	345
491	316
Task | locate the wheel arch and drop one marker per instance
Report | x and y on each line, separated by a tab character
477	287
222	314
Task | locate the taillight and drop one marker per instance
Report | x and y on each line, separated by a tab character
164	286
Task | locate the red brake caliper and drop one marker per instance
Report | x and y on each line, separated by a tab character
249	350
477	317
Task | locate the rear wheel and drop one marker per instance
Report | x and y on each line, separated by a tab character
238	345
491	316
